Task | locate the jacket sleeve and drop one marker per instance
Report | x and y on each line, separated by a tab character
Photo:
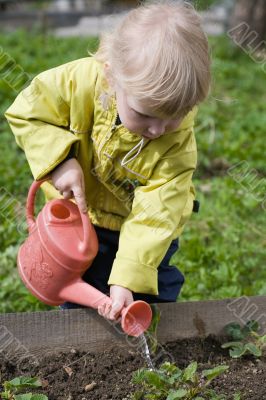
157	214
41	117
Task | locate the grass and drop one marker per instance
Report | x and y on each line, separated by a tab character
204	4
223	247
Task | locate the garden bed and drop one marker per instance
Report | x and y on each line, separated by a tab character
78	375
78	355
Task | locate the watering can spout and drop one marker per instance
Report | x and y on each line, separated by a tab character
135	318
80	292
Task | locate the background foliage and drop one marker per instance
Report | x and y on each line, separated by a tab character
223	247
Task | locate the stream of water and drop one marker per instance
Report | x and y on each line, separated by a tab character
146	352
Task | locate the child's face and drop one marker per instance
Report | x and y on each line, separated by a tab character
140	120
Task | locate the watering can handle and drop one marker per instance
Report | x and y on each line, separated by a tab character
30	204
85	245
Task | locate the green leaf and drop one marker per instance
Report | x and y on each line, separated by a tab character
237	352
214	372
27	396
237	349
262	339
138	376
24	382
252	325
170	368
175	377
34	382
156	316
253	349
15	382
177	394
151	333
5	396
30	396
152	378
234	330
214	396
237	396
232	344
137	396
190	371
152	396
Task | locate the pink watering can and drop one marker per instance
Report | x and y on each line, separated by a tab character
62	244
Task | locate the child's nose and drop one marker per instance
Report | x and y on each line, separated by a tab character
157	128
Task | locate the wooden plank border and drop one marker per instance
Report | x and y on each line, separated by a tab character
53	331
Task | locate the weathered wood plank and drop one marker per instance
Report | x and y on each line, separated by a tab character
203	318
39	332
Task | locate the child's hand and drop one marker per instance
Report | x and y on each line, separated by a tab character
68	178
121	297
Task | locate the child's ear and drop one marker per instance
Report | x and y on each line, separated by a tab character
108	73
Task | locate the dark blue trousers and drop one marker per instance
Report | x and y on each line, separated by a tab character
170	279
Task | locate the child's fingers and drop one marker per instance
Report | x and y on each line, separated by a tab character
116	310
100	311
80	198
110	311
67	194
83	183
104	310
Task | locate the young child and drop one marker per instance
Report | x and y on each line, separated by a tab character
114	131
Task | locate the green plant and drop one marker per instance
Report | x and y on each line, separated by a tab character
13	389
171	383
245	339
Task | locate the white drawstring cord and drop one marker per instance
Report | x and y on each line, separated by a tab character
125	158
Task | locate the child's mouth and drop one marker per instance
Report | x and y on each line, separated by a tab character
149	136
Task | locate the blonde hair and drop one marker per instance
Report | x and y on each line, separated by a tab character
159	55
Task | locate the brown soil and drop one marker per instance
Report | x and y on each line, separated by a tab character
77	375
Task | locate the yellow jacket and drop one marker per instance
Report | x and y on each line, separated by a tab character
139	186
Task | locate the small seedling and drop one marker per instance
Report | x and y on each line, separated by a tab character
171	383
245	340
13	390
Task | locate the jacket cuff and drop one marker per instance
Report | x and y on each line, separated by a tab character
71	154
138	278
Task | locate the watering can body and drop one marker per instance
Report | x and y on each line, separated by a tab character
56	254
61	246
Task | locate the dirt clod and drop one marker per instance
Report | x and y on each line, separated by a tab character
90	386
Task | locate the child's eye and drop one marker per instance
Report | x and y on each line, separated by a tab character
139	114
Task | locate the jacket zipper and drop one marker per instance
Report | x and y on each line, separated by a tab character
107	137
113	128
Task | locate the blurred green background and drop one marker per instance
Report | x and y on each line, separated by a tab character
222	250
